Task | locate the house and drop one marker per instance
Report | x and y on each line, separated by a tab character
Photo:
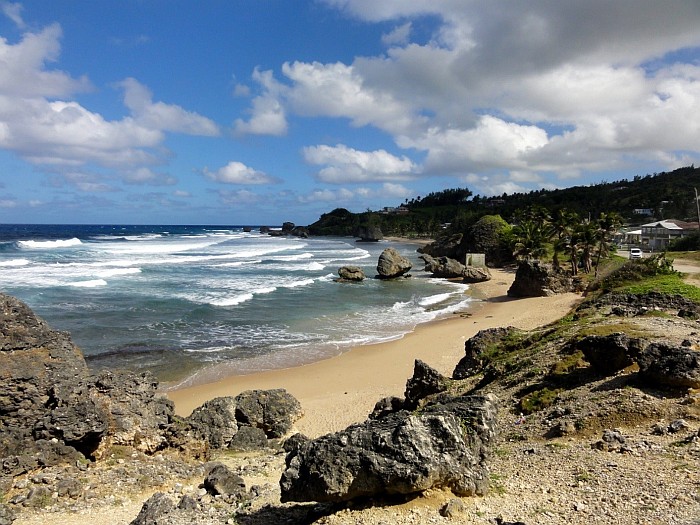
657	235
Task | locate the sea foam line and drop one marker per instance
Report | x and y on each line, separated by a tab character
48	245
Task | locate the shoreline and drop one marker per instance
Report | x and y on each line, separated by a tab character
342	390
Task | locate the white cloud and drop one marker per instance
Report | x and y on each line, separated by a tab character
325	195
40	122
345	165
239	197
399	35
182	194
13	11
238	173
163	117
268	116
8	203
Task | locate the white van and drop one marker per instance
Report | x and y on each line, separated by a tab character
635	253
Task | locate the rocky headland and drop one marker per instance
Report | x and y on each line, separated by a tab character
592	419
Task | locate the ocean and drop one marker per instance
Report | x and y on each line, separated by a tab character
195	303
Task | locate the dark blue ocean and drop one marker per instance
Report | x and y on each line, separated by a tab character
195	303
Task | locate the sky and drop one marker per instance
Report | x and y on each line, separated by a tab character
262	111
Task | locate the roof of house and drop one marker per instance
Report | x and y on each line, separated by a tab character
672	224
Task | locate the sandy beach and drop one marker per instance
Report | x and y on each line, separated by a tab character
342	390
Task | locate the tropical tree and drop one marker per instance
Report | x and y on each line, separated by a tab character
530	240
562	226
586	236
607	224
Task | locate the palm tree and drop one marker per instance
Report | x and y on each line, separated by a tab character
530	240
607	223
562	226
587	237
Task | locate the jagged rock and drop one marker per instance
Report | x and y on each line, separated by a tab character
535	279
69	487
248	438
476	274
392	264
424	382
155	510
475	349
443	267
446	246
351	273
294	442
443	445
676	367
386	406
215	421
220	480
640	304
369	233
609	353
274	411
34	360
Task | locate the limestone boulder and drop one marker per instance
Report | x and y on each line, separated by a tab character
351	273
392	264
443	445
674	366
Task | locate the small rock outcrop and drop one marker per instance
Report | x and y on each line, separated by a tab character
445	246
443	445
443	266
609	353
476	274
476	349
351	273
215	421
425	382
221	481
392	264
536	279
369	233
272	411
674	366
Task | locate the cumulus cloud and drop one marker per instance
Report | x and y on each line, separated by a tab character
161	116
40	122
558	89
268	115
238	173
346	165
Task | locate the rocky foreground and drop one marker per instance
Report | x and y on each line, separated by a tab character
594	419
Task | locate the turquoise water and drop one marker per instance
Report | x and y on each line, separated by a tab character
194	303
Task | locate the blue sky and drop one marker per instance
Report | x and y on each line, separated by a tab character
264	111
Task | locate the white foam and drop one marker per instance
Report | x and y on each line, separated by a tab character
89	284
48	245
232	301
114	272
435	299
14	263
297	284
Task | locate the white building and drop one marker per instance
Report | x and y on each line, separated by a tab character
658	235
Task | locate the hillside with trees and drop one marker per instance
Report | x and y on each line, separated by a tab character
643	199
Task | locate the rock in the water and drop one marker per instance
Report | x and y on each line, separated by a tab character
369	233
274	411
535	279
351	273
443	445
215	421
662	364
220	480
476	348
476	274
392	264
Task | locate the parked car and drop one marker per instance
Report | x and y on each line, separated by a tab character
635	253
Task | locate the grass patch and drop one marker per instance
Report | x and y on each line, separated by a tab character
631	329
568	364
538	400
668	284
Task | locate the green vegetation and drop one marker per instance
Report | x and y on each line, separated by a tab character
539	400
668	284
